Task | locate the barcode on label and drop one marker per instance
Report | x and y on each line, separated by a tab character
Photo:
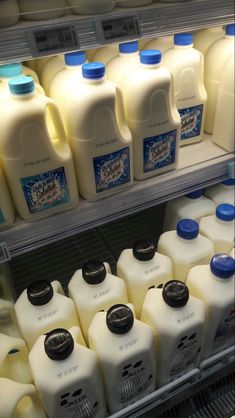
120	27
4	253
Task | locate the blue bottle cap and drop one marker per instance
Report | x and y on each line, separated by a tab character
93	70
228	182
75	58
222	266
128	47
230	29
187	229
183	39
21	85
194	195
225	212
10	70
150	56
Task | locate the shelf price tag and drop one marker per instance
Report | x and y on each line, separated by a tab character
4	253
119	28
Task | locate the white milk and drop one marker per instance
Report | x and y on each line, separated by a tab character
7	291
162	43
49	69
223	134
105	53
220	227
187	67
142	267
125	350
8	321
186	247
40	308
94	289
177	320
99	136
14	359
39	170
128	58
18	400
204	38
7	213
214	285
42	9
194	204
67	377
152	117
223	192
90	7
9	13
215	60
9	71
133	3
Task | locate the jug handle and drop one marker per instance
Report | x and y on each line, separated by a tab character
57	120
19	344
120	112
57	287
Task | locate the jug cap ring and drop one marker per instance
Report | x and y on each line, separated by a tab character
144	250
94	272
222	266
58	344
175	293
119	319
40	292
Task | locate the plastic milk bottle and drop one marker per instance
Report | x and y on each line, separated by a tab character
177	319
142	267
49	70
125	349
186	247
91	7
119	66
99	136
204	38
8	322
7	213
223	192
214	285
187	67
9	13
105	53
152	117
67	377
41	9
39	170
162	43
14	359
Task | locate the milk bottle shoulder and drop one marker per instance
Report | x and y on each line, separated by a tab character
105	53
9	13
91	7
8	322
41	10
40	308
141	268
223	192
14	359
214	285
119	66
49	70
186	247
194	204
177	320
94	289
187	67
162	43
219	228
204	38
125	350
7	213
66	376
152	117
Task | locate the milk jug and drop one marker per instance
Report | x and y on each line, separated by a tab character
91	7
42	9
214	285
216	58
94	289
125	350
98	133
152	117
49	70
7	291
177	319
142	42
9	13
105	53
14	359
186	247
162	43
193	203
9	71
204	38
220	227
187	67
133	3
122	64
224	113
141	268
222	192
7	213
39	171
41	307
67	377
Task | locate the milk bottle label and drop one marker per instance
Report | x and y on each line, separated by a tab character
191	121
46	190
159	151
112	170
224	336
79	404
2	220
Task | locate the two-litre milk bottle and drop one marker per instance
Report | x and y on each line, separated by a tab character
9	71
141	267
7	212
9	13
193	203
187	67
19	400
42	307
162	43
39	170
152	117
125	350
91	7
7	290
99	135
67	377
8	321
94	289
49	70
223	192
204	38
220	227
14	359
177	319
41	9
214	285
105	53
186	247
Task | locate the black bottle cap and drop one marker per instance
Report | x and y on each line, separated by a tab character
175	293
94	272
119	319
58	344
144	250
40	292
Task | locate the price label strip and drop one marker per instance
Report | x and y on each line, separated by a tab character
118	28
4	253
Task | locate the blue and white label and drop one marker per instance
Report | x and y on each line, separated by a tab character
159	151
112	170
191	121
2	219
46	190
